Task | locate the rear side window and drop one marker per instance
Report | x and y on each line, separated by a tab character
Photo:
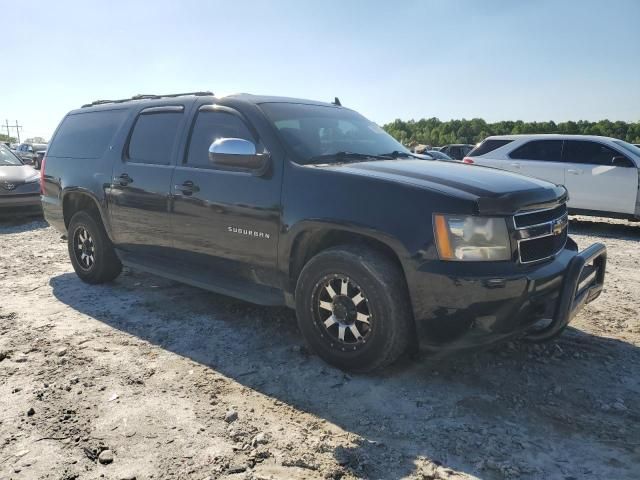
580	151
488	146
545	150
210	126
86	135
153	137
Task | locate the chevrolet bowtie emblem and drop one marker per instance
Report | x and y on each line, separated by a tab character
559	225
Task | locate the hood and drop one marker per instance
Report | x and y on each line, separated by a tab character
17	174
495	192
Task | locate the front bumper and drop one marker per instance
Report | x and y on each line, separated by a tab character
10	204
459	306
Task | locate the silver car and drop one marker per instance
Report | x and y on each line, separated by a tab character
19	185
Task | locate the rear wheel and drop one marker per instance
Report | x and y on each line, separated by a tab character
90	250
353	308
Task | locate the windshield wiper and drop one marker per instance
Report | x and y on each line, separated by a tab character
398	154
341	157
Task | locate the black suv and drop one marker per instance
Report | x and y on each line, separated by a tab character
281	201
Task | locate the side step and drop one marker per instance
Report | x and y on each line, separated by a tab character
258	294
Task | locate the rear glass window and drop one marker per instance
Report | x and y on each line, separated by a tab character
153	138
545	150
209	127
488	146
86	135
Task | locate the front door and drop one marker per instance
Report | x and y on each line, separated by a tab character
594	183
225	223
139	196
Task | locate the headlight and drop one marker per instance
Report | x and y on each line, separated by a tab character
462	237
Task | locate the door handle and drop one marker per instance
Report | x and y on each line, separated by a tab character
574	171
515	165
187	187
123	179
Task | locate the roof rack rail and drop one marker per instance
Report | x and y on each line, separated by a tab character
147	97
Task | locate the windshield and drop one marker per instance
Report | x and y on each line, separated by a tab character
627	146
7	157
312	131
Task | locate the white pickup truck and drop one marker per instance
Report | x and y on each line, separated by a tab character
602	174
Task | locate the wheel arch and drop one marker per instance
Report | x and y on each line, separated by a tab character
313	238
79	199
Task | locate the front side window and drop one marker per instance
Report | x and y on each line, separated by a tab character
544	150
153	138
592	153
210	126
317	130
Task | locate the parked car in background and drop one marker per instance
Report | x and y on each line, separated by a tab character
37	163
19	185
28	152
601	173
457	151
438	155
282	201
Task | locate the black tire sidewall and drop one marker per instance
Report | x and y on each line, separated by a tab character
106	265
386	317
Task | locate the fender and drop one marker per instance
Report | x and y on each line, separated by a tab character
295	233
100	204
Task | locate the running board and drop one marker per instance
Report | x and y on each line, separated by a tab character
258	294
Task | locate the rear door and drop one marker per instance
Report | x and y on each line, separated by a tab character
540	159
594	183
139	195
225	222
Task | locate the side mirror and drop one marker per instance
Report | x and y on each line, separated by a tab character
620	161
30	149
237	153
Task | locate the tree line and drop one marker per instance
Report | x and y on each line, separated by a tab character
431	131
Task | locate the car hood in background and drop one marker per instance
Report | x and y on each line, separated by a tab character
496	192
17	174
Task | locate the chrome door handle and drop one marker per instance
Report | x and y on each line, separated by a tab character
573	171
123	179
515	165
187	187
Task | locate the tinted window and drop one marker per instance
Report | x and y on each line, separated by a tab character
589	152
153	138
209	127
546	150
488	146
635	149
86	135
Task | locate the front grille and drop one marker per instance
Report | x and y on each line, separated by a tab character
543	247
541	234
540	216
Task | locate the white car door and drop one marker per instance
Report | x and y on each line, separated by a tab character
594	183
540	159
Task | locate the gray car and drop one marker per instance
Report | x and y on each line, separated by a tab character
28	152
19	185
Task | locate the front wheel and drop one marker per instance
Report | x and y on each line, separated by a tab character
353	308
90	250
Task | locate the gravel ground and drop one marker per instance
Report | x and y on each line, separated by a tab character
146	378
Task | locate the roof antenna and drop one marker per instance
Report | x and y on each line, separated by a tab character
336	101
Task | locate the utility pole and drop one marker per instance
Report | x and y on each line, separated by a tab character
17	127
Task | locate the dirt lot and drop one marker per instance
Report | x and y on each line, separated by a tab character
148	378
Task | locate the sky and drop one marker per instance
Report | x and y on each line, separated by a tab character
494	59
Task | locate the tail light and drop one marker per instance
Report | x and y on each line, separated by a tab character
468	160
44	161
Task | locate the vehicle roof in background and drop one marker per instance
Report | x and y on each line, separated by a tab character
548	136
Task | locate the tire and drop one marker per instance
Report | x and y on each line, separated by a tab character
36	164
90	250
382	317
